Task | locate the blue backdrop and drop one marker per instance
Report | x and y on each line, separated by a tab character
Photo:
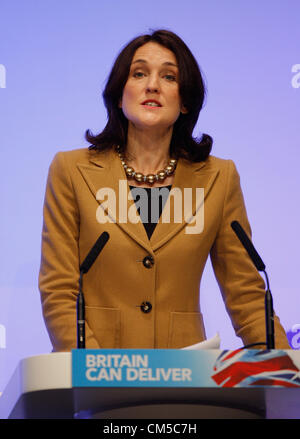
54	60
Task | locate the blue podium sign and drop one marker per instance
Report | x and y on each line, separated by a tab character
184	368
142	368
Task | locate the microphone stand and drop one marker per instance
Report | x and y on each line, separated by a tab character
84	268
269	315
260	266
80	316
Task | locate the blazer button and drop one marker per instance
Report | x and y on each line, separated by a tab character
148	261
146	307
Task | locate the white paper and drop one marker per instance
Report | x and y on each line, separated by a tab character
212	343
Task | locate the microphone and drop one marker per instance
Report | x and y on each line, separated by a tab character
84	268
260	266
94	252
241	234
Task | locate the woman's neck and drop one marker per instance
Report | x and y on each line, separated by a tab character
148	151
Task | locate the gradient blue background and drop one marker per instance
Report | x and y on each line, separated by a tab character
57	55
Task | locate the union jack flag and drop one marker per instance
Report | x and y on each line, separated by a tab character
241	368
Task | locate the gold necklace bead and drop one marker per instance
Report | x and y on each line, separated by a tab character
139	176
162	175
169	169
129	171
150	178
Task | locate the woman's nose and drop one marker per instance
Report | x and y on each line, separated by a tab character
152	89
153	84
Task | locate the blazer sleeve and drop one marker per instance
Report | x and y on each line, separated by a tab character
241	285
59	269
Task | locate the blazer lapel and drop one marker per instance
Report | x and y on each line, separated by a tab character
188	178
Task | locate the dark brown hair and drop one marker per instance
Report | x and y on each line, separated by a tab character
191	89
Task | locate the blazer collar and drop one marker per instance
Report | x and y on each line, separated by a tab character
106	171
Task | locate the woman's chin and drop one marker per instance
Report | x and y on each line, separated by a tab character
150	125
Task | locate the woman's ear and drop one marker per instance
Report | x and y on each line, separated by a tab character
120	103
183	110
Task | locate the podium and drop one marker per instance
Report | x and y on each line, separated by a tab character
210	384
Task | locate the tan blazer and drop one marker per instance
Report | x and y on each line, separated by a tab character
121	279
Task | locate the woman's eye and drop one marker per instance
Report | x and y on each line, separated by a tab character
138	74
170	77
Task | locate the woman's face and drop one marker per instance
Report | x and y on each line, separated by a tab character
151	94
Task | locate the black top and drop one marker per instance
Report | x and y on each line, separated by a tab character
150	203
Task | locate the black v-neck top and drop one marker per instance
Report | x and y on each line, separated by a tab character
150	203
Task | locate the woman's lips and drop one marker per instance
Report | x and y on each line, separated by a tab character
151	106
148	102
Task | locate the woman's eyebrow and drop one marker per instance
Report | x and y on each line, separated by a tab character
167	63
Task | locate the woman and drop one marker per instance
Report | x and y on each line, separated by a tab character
143	290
